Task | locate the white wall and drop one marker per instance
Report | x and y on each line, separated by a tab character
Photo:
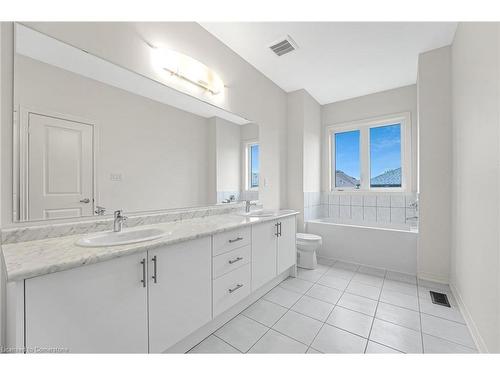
160	151
249	132
6	44
228	149
475	255
434	125
312	144
304	149
402	99
2	281
295	154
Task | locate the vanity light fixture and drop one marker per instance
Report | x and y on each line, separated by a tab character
188	69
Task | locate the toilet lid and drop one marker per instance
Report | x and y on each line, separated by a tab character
308	237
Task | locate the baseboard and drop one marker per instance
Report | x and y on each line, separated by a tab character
320	257
476	336
433	277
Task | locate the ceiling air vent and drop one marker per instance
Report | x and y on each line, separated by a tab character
284	46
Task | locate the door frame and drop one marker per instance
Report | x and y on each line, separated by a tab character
22	179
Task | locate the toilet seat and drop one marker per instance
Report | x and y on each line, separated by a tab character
307	245
308	237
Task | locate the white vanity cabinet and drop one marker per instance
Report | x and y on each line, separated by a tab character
286	244
273	249
152	300
264	239
99	308
180	289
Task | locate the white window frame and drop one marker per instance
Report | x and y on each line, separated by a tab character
364	148
248	169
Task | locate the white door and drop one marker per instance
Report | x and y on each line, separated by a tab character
180	291
60	168
99	308
264	243
287	249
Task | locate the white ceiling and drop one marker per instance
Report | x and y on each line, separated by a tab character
335	60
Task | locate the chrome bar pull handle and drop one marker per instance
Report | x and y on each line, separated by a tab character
238	286
279	226
143	281
277	231
235	260
155	274
236	239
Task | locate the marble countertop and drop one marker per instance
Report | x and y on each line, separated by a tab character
35	258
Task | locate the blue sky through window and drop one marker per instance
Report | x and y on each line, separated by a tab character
385	151
254	166
347	157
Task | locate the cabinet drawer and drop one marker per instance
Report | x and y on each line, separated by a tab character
231	288
227	241
230	261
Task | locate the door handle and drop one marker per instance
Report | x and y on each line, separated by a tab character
279	226
236	239
155	262
277	231
85	200
143	281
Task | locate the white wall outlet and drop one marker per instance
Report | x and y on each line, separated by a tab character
115	176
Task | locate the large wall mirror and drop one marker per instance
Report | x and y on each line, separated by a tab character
90	134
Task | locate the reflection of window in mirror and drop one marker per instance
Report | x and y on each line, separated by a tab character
252	166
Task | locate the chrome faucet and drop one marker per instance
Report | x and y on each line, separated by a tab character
119	219
100	210
248	204
414	204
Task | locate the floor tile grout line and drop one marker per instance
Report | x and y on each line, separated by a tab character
288	309
387	346
439	317
376	309
446	291
336	304
449	341
359	312
260	338
344	291
232	346
375	314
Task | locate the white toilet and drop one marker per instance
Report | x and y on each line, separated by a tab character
307	244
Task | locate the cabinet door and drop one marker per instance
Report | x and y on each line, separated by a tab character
264	242
287	250
180	301
99	308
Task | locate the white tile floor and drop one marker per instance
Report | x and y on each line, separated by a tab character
343	308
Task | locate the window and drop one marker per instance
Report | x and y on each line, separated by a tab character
253	166
347	159
371	154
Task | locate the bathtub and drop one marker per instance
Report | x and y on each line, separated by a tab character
389	246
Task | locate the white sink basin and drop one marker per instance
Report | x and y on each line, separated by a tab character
259	213
124	237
